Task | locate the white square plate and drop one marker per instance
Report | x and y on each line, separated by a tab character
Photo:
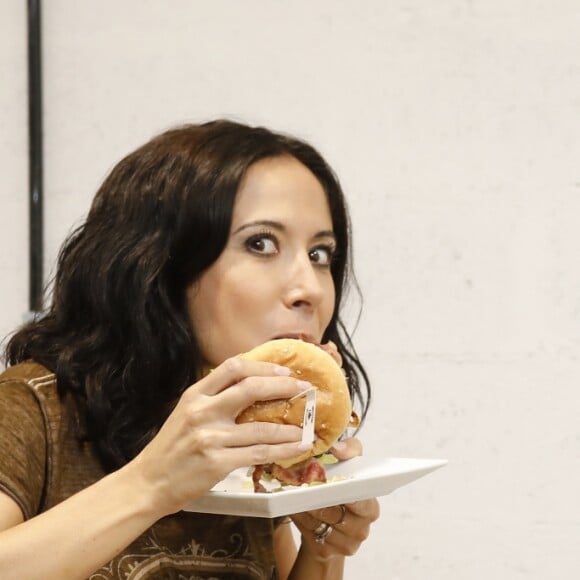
361	478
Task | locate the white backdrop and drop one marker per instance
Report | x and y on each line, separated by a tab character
455	128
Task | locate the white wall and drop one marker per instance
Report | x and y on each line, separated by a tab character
455	127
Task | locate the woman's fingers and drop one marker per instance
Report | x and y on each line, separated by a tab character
261	454
238	383
368	509
261	443
350	526
252	389
229	403
234	370
347	449
365	510
257	433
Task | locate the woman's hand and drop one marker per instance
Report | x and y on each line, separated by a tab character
349	523
200	443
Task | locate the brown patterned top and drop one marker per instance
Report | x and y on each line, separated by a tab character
42	463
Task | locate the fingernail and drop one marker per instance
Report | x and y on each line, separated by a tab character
282	371
305	446
303	385
339	446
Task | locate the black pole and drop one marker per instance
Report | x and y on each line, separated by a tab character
35	157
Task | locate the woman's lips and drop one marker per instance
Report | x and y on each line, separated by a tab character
297	335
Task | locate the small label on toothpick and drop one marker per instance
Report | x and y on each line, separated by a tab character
309	416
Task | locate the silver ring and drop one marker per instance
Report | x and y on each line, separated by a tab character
322	532
322	527
342	516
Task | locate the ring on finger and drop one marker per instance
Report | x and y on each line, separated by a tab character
322	532
342	516
320	529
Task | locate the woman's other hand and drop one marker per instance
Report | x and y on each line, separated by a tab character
345	527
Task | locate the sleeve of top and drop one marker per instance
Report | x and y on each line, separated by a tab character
22	447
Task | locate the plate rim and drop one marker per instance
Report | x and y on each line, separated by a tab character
270	505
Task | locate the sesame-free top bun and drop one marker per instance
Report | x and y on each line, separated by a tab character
308	362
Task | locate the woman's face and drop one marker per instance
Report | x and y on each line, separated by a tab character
273	278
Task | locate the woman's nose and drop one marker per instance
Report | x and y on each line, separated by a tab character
304	287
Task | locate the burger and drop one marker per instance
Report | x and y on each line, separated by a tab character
320	365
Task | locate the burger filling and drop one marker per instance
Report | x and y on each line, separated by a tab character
307	471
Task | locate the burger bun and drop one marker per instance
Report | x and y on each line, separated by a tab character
307	362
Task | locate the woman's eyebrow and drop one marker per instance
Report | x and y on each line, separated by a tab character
263	223
280	227
325	234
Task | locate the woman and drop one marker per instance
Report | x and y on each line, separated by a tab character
203	243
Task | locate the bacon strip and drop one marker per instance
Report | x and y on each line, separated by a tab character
308	471
256	476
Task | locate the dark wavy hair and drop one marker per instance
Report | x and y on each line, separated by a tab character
117	334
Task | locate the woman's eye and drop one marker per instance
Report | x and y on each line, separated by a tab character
321	256
262	245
